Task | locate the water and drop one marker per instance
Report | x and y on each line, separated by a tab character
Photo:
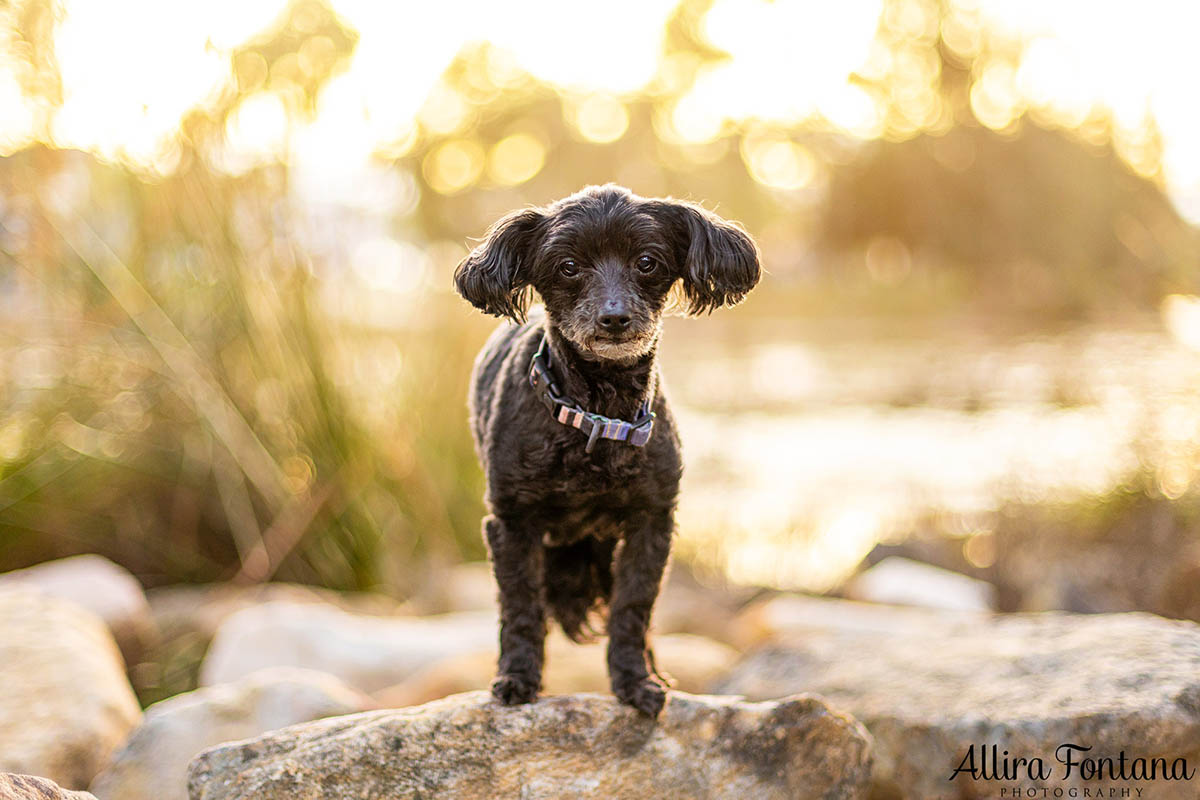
805	448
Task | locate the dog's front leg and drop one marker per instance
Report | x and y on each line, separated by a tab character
517	563
639	573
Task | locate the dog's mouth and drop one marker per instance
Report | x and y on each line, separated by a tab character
593	342
619	338
620	346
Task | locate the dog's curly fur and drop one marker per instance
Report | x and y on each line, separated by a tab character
569	532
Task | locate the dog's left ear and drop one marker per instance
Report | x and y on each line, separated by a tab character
494	277
718	260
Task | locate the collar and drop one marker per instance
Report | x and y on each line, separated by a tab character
566	411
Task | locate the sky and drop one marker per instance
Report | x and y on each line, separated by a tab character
791	60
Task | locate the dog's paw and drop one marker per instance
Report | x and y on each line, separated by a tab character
513	690
646	695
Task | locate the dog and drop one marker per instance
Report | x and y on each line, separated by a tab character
570	421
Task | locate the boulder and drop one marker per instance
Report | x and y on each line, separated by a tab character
188	616
692	662
700	604
461	587
367	652
65	704
785	615
903	581
468	747
200	609
102	587
940	692
153	763
28	787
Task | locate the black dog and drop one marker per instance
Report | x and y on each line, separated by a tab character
579	523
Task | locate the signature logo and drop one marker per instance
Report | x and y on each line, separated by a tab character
1070	763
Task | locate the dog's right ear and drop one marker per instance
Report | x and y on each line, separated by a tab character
494	277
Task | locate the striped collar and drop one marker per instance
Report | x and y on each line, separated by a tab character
567	411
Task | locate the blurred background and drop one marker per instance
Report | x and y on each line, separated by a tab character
230	350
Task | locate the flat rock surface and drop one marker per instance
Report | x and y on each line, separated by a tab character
65	703
367	652
152	765
28	787
576	746
1027	683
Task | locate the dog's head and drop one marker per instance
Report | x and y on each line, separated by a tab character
604	262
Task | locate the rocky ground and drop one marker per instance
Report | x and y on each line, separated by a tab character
577	745
283	691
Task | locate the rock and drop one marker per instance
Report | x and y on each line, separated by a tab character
1026	683
109	591
692	662
368	653
201	608
188	617
65	704
576	746
706	607
462	587
786	615
153	763
902	581
27	787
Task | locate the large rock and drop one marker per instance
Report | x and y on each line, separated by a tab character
201	609
467	747
786	615
931	689
367	652
153	763
189	615
692	662
65	704
461	587
28	787
904	581
703	605
102	587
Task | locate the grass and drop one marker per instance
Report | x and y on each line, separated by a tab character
175	397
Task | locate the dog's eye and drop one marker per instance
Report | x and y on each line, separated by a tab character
568	268
646	264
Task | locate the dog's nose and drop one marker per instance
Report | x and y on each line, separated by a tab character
615	317
615	323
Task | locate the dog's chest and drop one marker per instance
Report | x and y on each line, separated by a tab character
573	511
595	494
613	477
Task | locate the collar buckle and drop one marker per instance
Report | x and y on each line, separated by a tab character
566	411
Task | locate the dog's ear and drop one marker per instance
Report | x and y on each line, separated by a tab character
718	261
494	277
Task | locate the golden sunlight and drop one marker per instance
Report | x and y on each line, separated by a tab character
454	166
515	159
789	62
599	117
777	162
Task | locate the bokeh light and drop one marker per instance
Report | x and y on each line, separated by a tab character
454	166
515	159
227	231
600	117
